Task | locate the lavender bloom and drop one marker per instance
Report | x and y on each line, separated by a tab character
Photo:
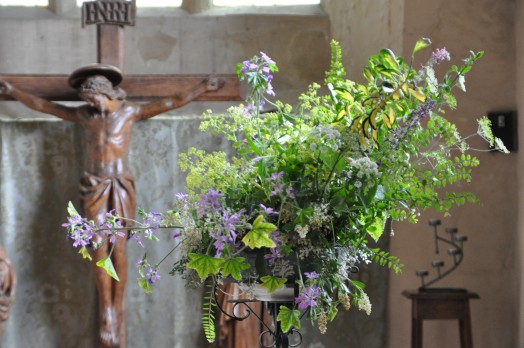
418	115
248	109
277	190
152	275
209	202
152	221
182	197
276	252
268	210
276	176
113	234
225	231
440	55
266	58
80	231
311	275
307	297
138	239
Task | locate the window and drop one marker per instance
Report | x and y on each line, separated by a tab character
26	3
148	3
264	2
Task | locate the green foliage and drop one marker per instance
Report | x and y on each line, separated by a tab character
205	265
288	318
208	313
233	266
107	265
258	237
272	283
317	182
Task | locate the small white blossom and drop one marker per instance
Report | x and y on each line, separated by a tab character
364	304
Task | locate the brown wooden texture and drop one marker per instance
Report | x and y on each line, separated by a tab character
111	45
138	87
443	304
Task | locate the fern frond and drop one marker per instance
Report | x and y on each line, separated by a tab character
208	312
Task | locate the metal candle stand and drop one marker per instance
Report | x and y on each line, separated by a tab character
456	242
279	339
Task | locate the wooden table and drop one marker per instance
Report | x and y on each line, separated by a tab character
440	304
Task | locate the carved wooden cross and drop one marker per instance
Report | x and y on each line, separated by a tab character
110	16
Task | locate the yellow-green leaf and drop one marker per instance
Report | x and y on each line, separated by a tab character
204	264
71	209
258	237
272	283
288	318
233	267
107	265
421	43
419	95
144	284
85	253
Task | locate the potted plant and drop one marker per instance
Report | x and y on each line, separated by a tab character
307	188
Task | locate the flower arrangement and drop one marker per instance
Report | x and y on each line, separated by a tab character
309	188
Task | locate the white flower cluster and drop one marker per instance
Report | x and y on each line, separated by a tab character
364	304
366	172
326	135
302	230
320	216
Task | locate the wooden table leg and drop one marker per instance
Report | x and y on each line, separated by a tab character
416	334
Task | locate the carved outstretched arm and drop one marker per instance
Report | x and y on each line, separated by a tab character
37	103
176	101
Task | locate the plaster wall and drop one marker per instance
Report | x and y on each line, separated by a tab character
489	266
492	255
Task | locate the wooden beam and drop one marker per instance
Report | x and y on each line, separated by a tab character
137	87
111	45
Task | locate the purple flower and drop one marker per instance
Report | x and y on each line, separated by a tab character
248	109
311	275
276	176
112	233
440	55
307	297
79	230
268	210
277	190
152	221
138	239
276	252
209	202
224	232
182	197
175	234
266	58
152	275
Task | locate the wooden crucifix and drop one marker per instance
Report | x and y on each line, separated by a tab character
107	121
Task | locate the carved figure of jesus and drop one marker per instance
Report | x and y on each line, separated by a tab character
107	120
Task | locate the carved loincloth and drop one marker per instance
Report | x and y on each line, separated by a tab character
101	195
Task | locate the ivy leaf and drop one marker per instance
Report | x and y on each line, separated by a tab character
85	254
421	43
71	209
204	264
233	267
272	283
376	229
288	318
258	237
144	284
107	265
